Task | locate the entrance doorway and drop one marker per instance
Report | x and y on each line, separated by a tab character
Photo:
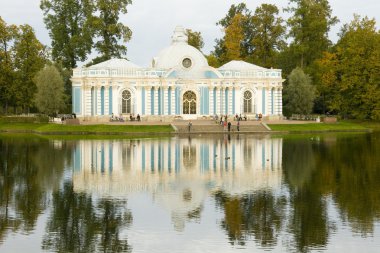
189	103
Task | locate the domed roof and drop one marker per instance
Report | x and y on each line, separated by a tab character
179	54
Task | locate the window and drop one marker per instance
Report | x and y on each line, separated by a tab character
126	102
247	102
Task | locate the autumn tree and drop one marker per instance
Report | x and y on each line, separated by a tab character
326	70
233	39
239	30
50	95
299	94
268	34
195	39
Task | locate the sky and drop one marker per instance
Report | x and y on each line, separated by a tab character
152	22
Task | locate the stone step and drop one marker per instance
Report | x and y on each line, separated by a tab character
182	128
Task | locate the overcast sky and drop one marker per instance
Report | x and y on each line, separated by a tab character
153	22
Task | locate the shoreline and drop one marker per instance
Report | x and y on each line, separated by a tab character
168	130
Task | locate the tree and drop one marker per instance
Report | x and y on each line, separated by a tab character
299	94
233	38
309	26
244	32
7	35
326	80
28	61
109	30
358	71
268	35
50	90
213	60
195	39
70	28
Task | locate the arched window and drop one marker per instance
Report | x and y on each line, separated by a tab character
247	102
189	103
126	102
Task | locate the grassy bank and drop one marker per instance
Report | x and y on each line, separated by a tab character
57	129
320	127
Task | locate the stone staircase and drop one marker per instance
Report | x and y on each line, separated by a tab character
208	126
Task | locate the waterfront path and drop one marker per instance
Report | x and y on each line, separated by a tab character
208	126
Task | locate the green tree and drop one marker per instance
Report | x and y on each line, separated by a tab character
268	35
70	28
109	30
50	95
309	24
28	61
358	72
195	39
7	35
299	94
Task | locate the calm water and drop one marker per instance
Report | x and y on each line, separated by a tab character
301	193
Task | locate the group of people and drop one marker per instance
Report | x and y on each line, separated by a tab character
116	118
133	118
121	119
240	118
223	121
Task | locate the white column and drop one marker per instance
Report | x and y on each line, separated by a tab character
219	101
147	100
259	101
86	101
279	100
230	91
238	101
106	99
173	100
155	101
211	100
166	101
268	108
98	100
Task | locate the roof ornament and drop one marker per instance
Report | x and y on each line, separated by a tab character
179	35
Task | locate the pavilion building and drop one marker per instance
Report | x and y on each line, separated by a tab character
178	84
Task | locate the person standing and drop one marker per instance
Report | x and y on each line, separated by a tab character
190	125
225	125
229	126
238	126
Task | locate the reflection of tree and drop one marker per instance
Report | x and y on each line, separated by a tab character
351	167
27	170
77	224
259	215
298	161
309	219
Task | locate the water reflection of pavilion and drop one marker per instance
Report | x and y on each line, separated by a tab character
178	172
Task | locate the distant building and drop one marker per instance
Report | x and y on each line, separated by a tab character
179	83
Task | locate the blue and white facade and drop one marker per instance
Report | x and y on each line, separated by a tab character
179	83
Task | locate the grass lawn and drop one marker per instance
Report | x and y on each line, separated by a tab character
316	127
45	128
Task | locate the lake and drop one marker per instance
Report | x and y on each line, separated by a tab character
238	193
